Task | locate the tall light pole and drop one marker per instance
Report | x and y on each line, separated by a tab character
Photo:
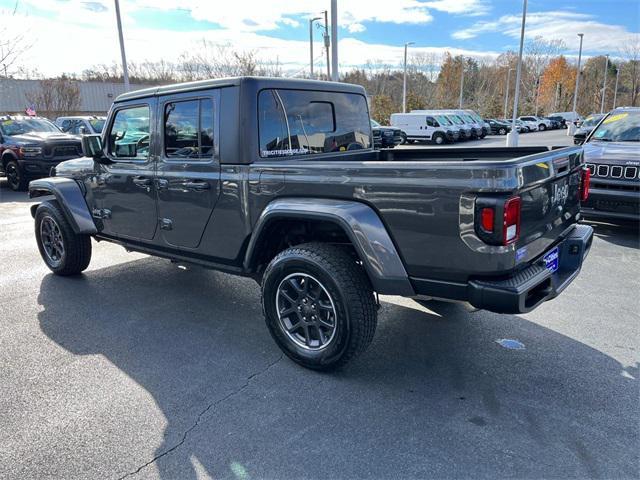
512	136
311	20
571	129
537	93
404	79
506	95
604	83
334	41
125	71
615	90
461	83
327	44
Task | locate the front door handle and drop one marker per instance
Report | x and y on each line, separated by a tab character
197	185
142	181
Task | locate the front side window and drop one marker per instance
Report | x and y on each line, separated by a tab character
129	135
188	129
295	122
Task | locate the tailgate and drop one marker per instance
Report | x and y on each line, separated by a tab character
549	192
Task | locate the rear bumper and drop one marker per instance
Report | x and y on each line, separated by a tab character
523	291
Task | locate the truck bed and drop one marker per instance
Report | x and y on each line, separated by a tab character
466	154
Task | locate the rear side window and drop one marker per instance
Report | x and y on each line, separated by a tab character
129	135
296	122
188	129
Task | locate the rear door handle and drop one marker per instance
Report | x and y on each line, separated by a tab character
197	185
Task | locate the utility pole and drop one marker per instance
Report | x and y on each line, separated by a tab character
571	128
537	93
327	44
404	79
604	83
311	20
334	41
615	90
506	94
512	136
125	71
461	82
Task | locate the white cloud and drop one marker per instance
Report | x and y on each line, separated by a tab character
88	45
557	25
460	7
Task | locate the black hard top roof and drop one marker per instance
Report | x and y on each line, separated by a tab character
257	83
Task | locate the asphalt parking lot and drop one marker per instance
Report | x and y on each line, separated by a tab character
142	369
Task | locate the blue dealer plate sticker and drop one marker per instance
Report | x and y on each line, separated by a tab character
551	260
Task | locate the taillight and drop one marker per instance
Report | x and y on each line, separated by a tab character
511	221
487	219
585	180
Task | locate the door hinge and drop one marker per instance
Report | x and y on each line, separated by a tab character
102	213
166	224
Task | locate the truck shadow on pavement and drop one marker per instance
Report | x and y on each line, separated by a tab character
625	234
434	396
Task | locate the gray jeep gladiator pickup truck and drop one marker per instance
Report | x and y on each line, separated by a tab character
278	180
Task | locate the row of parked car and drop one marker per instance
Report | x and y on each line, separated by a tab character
448	126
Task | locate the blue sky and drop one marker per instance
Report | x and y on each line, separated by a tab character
370	30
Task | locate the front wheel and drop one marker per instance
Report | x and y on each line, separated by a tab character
502	131
63	251
403	138
15	176
438	139
542	127
318	305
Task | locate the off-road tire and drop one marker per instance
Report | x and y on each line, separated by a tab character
16	178
348	286
77	248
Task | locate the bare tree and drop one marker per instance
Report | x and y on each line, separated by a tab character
630	71
12	44
56	96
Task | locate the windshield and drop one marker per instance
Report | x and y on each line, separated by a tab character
20	126
468	119
456	119
592	120
97	124
619	127
442	120
374	124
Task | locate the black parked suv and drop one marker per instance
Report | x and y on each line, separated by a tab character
612	154
386	137
31	146
497	127
277	180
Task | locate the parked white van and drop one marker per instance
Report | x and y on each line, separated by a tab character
421	127
472	129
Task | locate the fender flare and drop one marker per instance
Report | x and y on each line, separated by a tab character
361	224
69	197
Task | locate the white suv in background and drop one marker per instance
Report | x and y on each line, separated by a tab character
531	123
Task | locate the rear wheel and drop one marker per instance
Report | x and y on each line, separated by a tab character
15	176
63	251
318	305
438	138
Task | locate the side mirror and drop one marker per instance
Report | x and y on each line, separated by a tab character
579	138
92	147
83	130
